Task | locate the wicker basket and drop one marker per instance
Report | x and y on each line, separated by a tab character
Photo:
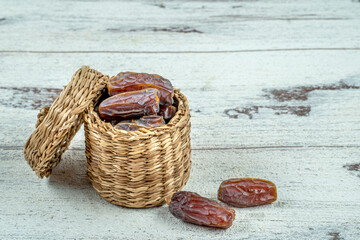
135	169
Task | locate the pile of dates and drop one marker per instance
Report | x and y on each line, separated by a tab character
237	192
137	100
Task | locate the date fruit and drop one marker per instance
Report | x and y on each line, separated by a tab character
247	192
167	111
130	81
193	208
151	121
116	121
130	104
126	126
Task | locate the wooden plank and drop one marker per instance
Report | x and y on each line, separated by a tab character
273	86
317	198
252	99
139	26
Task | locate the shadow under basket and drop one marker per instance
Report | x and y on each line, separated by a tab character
142	168
136	169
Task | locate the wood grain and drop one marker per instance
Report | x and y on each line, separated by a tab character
178	26
315	198
256	99
273	86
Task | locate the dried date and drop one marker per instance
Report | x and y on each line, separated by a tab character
151	121
114	122
193	208
127	126
130	104
247	192
167	112
130	81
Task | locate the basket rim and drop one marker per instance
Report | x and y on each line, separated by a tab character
176	121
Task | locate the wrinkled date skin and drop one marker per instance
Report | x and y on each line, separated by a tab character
130	81
247	192
191	207
167	111
114	122
126	126
130	104
151	121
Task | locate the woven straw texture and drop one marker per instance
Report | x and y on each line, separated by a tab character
135	169
139	169
58	124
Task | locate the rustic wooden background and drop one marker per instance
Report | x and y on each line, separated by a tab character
274	91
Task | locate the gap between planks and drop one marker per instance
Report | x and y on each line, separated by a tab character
182	52
2	147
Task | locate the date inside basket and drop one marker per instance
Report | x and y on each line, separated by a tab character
135	100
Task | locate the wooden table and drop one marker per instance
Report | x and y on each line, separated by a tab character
273	86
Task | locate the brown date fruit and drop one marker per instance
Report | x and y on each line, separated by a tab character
151	121
130	81
126	126
247	192
130	104
193	208
167	111
114	122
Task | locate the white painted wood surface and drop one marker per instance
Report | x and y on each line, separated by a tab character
274	89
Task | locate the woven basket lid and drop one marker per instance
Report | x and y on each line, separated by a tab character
59	123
